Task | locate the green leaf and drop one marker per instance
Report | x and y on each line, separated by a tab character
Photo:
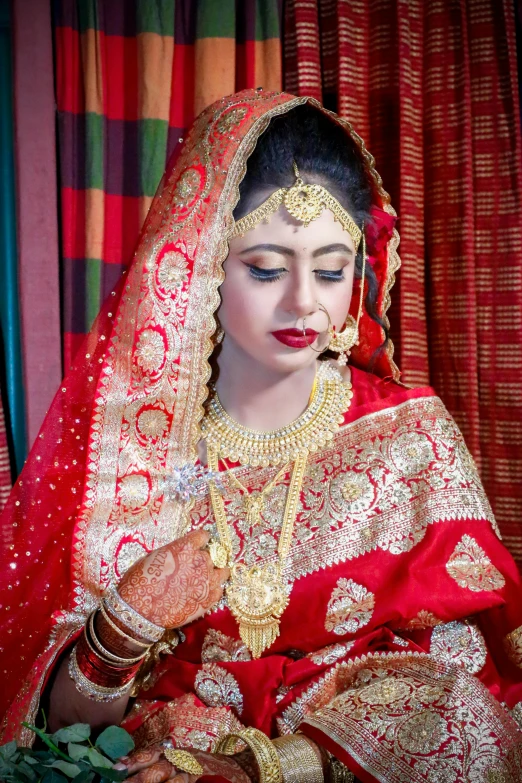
71	770
46	738
52	776
115	742
97	760
77	752
78	732
111	774
85	776
9	750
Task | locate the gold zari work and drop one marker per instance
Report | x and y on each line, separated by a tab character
407	718
461	643
305	203
513	646
471	568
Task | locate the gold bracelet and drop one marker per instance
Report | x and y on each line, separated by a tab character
102	652
124	635
132	619
90	689
299	762
262	748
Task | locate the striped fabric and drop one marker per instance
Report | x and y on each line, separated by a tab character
130	77
432	87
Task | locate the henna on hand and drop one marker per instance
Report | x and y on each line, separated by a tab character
150	766
175	584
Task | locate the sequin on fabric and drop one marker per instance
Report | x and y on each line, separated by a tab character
461	643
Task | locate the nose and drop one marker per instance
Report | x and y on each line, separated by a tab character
300	298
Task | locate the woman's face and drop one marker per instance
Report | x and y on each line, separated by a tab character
275	276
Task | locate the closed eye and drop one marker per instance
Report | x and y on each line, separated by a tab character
265	275
330	275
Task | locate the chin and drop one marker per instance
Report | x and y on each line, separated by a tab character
290	362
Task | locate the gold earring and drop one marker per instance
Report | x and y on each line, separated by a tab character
343	342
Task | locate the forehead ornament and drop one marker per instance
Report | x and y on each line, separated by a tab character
305	203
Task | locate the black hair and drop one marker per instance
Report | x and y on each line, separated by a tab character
324	154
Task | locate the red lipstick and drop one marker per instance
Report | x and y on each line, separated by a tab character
295	338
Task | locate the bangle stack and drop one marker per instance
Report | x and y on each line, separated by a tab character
99	674
263	749
298	760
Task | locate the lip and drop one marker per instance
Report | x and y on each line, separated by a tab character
294	338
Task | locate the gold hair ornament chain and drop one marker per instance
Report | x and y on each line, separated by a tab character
305	203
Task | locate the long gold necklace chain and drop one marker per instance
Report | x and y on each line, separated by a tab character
257	596
254	502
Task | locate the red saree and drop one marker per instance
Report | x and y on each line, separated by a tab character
401	648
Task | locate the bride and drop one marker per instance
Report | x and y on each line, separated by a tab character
267	563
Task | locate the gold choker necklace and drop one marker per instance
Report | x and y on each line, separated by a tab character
258	596
309	432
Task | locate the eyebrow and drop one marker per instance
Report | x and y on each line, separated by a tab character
337	247
283	251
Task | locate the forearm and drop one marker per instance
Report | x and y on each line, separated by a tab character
67	705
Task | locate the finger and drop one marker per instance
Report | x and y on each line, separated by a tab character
217	579
197	538
139	760
157	773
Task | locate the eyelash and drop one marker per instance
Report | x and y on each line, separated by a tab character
271	275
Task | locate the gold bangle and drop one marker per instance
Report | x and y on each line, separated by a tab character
90	689
299	762
132	619
116	628
262	748
102	652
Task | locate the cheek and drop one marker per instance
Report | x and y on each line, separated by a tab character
244	308
337	299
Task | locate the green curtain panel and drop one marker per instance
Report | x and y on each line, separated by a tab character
11	357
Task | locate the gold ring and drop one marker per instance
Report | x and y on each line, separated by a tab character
218	554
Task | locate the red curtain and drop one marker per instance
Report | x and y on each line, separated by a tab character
431	86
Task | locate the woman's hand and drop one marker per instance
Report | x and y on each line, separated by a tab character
151	766
175	584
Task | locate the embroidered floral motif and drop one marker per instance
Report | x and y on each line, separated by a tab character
172	271
152	422
331	653
471	568
134	490
218	688
230	119
430	723
513	646
218	646
150	351
186	188
350	607
461	643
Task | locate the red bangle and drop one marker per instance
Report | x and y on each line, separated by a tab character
99	671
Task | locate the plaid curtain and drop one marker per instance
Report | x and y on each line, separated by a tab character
131	75
432	87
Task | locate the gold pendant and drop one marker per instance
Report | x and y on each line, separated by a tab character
254	506
257	598
218	554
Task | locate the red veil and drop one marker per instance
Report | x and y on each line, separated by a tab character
90	500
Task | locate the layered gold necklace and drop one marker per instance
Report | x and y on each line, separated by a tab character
257	596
